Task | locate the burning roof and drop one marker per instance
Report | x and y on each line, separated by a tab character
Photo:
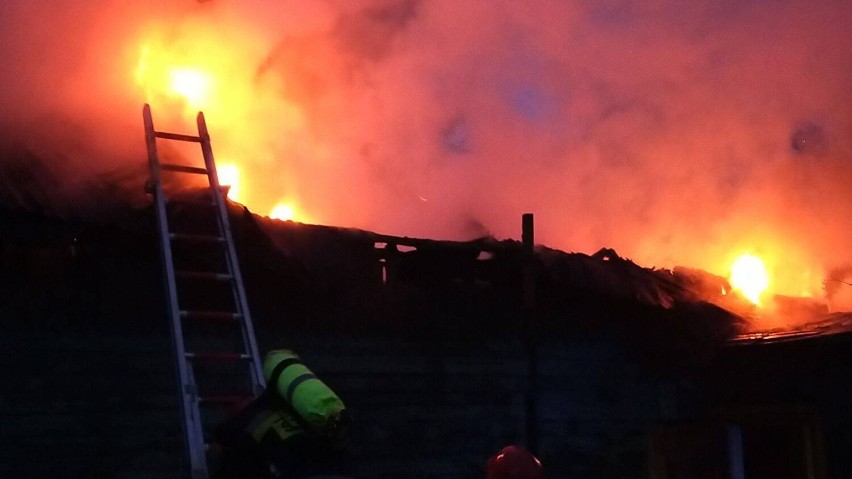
304	276
677	133
30	187
395	116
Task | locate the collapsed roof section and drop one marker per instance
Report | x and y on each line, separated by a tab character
476	289
352	281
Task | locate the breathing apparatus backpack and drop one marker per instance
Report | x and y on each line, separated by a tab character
322	411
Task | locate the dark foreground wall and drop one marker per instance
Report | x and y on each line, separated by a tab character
794	397
436	412
102	405
432	369
429	358
87	405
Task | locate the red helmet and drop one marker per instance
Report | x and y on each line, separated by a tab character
513	462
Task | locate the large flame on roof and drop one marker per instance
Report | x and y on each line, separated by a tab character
198	71
195	69
283	212
749	275
229	175
191	84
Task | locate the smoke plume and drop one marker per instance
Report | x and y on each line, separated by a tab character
674	132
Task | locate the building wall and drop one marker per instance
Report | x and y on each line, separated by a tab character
793	398
434	370
86	405
83	405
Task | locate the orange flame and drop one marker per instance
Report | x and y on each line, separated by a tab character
192	84
749	276
190	69
229	175
283	212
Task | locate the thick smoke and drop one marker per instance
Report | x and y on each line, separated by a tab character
673	132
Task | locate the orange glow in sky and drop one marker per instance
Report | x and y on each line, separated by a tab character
674	152
251	127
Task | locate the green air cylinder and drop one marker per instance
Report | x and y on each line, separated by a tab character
310	397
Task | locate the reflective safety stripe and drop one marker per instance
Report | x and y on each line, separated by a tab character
260	424
295	383
287	426
283	425
275	375
280	367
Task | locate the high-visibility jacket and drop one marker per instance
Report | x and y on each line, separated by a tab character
296	428
278	421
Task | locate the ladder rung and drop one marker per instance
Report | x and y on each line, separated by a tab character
217	356
199	238
183	202
176	136
204	275
211	315
183	168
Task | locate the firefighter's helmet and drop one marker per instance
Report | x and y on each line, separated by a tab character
514	462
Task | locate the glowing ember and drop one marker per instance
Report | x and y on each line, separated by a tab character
229	175
282	212
191	84
749	276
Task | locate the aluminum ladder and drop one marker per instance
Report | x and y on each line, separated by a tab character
234	355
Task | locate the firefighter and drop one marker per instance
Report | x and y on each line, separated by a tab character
296	429
513	462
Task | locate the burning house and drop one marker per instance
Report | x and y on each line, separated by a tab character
693	135
429	342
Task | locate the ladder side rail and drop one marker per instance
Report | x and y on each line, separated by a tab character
198	454
192	428
247	329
